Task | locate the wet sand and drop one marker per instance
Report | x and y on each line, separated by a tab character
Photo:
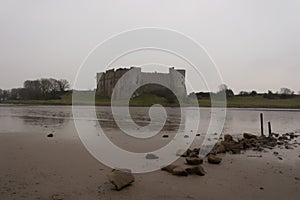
33	166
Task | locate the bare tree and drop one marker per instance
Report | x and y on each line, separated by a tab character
63	85
286	91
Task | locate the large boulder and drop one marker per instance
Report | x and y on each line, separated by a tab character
120	178
194	161
212	159
198	170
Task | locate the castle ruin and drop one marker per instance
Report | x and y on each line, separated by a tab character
174	80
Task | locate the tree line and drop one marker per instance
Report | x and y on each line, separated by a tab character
283	93
40	89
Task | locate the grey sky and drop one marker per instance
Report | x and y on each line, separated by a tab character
255	44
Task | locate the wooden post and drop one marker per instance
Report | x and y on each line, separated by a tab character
262	124
270	129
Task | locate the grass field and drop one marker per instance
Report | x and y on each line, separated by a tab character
147	100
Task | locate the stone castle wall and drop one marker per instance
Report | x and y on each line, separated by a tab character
106	81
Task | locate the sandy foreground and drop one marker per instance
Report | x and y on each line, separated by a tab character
33	166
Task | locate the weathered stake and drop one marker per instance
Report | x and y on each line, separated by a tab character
270	129
262	124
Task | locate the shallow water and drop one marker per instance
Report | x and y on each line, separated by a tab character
37	118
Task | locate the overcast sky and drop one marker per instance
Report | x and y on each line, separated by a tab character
255	44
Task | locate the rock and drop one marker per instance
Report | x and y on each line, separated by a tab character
212	159
179	171
232	146
282	138
165	136
249	136
275	153
280	158
198	134
57	197
169	168
50	135
186	136
280	143
228	138
194	161
198	170
183	153
151	156
120	178
261	188
219	148
275	134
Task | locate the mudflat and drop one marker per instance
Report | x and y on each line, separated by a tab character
34	166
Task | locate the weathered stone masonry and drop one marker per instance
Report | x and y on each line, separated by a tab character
175	80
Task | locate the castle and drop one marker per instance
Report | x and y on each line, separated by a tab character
175	80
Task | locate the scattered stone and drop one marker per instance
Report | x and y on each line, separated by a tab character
275	153
228	138
275	134
280	158
282	138
151	156
249	136
120	178
296	178
165	136
169	168
198	170
198	134
186	136
50	135
212	159
179	171
194	161
219	148
57	197
261	188
183	153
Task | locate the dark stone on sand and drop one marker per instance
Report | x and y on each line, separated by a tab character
197	134
282	138
120	178
219	148
261	188
275	134
275	153
228	138
183	153
179	171
212	159
50	135
151	156
194	161
169	168
249	136
186	136
198	170
280	158
165	136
